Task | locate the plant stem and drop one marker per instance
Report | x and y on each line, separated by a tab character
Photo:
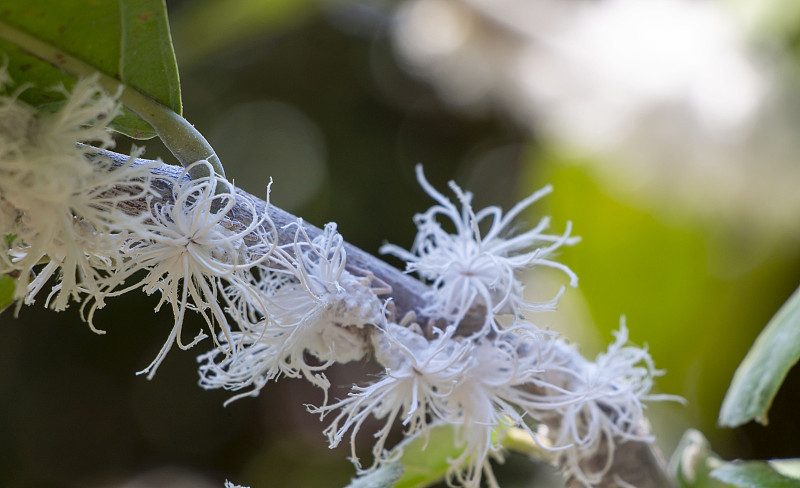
181	138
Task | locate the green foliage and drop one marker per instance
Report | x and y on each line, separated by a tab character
6	291
384	477
425	458
695	465
127	40
760	375
787	467
753	474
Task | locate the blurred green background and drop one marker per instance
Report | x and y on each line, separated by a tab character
317	96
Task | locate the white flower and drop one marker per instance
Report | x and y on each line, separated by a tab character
322	300
609	409
189	254
494	392
311	305
468	268
60	193
87	246
478	405
476	385
418	378
254	366
85	116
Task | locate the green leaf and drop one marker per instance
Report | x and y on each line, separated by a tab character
695	465
384	477
787	467
6	291
761	373
753	474
425	459
127	40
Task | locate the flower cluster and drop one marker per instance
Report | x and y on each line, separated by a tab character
468	268
303	303
284	302
507	373
69	213
60	202
190	256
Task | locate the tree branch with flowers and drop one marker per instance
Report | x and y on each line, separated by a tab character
282	298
